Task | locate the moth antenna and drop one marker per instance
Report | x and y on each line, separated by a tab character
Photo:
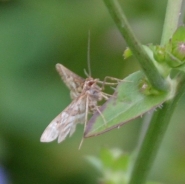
87	75
81	142
88	54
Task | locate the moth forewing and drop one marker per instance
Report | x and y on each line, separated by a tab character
72	80
66	121
51	132
76	114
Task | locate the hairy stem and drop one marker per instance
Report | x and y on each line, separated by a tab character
145	62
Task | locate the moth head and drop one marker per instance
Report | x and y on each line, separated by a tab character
91	87
89	83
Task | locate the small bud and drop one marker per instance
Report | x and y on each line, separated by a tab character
178	50
146	88
159	54
175	49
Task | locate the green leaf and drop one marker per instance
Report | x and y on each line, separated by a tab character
179	34
181	68
114	159
107	158
129	101
121	163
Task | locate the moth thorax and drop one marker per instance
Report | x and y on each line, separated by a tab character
94	97
93	90
95	93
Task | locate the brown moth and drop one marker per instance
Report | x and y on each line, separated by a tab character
85	94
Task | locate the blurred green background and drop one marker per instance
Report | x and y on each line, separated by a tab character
34	36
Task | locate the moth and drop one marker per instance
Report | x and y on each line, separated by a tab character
85	94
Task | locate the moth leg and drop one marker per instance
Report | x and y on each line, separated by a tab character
112	78
86	112
104	120
106	96
104	82
86	118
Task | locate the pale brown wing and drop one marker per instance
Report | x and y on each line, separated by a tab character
72	80
66	121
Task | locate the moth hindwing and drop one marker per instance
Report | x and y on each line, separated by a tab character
85	94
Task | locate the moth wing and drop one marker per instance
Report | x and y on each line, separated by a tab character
72	80
65	122
51	132
75	113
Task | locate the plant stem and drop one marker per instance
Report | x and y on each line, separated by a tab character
171	19
153	138
160	120
146	64
151	144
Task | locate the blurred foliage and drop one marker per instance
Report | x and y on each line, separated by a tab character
34	36
114	165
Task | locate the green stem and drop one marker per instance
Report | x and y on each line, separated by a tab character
171	19
153	138
151	144
146	63
160	120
